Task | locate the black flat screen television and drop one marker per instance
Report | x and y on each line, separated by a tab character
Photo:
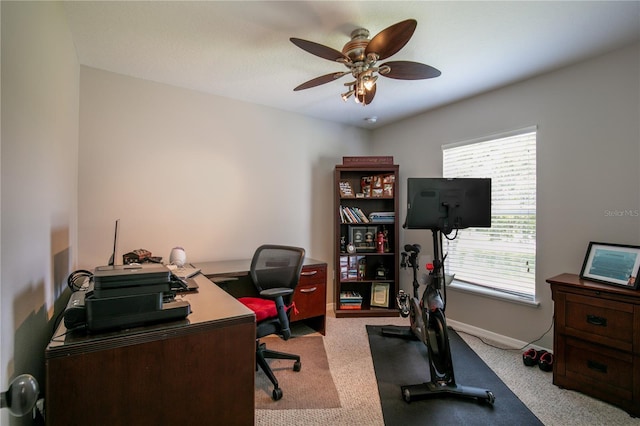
446	204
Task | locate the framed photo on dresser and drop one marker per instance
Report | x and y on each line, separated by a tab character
615	264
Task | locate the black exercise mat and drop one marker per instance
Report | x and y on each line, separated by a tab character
400	362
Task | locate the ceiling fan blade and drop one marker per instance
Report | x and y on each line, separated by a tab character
320	80
390	40
318	49
407	70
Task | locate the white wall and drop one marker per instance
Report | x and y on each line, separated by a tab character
264	175
213	175
588	149
40	81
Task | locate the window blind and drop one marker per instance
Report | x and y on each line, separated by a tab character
501	257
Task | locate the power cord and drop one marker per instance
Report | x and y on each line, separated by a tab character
508	349
75	282
76	279
69	331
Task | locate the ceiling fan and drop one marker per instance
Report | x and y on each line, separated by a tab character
361	55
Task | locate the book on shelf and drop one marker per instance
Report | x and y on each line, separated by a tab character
352	215
350	300
363	217
351	306
350	296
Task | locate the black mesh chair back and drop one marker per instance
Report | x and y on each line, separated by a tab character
275	266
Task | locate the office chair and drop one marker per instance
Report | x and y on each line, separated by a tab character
275	272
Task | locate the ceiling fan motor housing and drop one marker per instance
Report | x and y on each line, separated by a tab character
354	49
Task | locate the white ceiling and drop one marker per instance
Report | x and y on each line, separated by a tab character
241	49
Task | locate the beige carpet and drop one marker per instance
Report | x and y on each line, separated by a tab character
299	389
347	349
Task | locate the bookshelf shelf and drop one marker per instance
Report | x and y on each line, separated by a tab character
366	218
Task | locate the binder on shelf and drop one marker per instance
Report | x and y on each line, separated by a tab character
382	217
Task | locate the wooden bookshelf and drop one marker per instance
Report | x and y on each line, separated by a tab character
366	204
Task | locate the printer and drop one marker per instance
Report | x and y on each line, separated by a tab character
124	296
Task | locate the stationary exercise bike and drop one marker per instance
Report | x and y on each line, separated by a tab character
428	324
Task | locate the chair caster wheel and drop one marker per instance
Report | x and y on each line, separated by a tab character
297	366
277	394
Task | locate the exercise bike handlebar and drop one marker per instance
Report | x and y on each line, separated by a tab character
415	248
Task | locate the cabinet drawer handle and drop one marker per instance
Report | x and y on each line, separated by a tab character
308	290
601	368
309	273
595	320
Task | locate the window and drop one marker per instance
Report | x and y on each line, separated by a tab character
502	257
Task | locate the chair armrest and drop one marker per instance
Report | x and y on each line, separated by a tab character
278	295
272	293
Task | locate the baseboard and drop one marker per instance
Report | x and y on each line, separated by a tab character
331	308
499	339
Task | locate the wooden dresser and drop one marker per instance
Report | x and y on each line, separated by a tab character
596	340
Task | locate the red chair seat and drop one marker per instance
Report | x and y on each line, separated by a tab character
263	308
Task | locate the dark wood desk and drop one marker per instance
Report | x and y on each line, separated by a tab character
310	296
197	371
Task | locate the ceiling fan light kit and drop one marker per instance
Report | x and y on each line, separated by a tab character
361	55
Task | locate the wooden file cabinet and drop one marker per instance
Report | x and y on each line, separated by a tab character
597	340
310	296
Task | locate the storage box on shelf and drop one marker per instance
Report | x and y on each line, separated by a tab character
366	237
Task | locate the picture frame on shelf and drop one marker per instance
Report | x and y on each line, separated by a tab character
363	237
346	190
615	264
351	267
380	295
